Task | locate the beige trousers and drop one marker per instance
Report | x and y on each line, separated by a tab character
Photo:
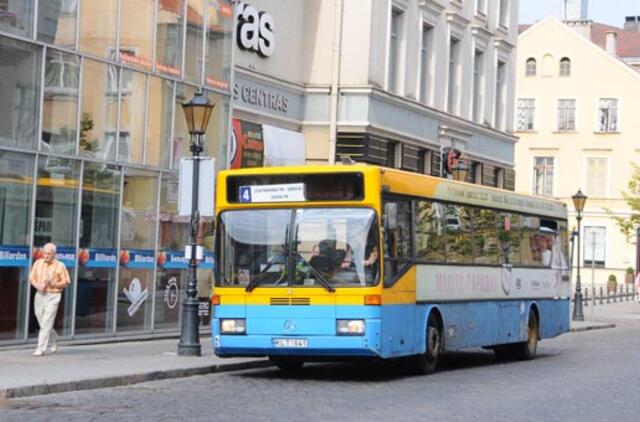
46	307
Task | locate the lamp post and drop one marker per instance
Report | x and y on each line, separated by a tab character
459	171
197	112
579	200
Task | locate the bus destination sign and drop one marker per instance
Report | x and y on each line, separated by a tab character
289	192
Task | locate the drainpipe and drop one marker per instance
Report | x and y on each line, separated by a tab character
335	77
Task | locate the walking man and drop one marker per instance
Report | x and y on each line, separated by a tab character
49	277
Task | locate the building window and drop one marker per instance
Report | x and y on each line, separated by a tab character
62	71
499	177
566	115
595	239
453	74
478	68
597	177
547	65
531	67
543	176
608	115
526	113
503	13
500	75
424	64
394	50
565	67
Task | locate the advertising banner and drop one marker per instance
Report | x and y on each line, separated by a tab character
137	258
98	258
14	256
247	145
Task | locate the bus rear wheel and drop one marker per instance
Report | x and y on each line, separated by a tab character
287	363
527	349
427	362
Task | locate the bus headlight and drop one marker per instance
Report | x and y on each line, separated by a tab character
233	326
350	327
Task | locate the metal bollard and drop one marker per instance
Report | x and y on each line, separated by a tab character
626	292
601	295
608	295
585	300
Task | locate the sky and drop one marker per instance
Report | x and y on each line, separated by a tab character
610	12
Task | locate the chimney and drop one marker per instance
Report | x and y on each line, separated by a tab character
576	10
610	43
632	23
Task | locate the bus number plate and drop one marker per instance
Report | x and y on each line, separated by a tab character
290	342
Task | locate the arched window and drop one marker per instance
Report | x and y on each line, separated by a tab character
548	65
531	67
565	66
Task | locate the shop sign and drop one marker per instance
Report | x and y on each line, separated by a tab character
172	260
247	145
261	97
255	30
67	256
98	258
14	256
208	262
137	258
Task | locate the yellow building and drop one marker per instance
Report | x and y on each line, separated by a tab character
577	100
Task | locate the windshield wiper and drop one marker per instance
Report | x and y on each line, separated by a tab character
318	275
259	277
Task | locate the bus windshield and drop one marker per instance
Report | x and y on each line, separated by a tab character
321	247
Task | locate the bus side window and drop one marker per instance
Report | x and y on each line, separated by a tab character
430	234
397	238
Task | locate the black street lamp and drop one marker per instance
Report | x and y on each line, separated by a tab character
459	171
579	200
197	112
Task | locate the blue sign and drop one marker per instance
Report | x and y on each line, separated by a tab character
137	258
14	256
98	258
173	260
245	193
67	256
208	262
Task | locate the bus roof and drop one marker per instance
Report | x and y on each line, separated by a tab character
401	182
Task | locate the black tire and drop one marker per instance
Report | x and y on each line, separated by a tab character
427	362
527	349
287	363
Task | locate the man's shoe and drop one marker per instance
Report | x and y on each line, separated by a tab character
38	353
54	348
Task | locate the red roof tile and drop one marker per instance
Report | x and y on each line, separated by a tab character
627	44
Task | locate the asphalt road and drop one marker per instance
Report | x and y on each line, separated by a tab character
588	376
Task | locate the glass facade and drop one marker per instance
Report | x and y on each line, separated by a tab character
91	136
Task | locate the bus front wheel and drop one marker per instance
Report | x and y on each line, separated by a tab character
427	362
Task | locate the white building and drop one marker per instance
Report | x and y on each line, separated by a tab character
392	82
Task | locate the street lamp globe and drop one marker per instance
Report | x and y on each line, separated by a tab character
579	199
197	112
459	171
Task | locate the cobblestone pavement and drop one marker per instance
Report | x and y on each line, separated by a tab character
586	376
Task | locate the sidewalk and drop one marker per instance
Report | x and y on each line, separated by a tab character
84	367
606	315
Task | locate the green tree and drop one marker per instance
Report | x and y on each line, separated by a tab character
86	125
632	197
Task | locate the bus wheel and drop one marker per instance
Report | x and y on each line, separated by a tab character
426	362
527	349
287	363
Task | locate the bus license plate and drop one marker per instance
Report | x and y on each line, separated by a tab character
290	342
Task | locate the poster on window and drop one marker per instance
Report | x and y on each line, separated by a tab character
247	145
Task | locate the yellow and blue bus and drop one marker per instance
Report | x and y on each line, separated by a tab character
330	262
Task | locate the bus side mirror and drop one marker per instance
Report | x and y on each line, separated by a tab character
390	216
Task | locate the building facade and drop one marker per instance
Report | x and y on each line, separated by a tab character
390	82
91	135
576	103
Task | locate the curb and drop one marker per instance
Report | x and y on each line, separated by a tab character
122	380
592	327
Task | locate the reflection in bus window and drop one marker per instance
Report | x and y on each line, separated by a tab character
487	249
430	236
457	221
